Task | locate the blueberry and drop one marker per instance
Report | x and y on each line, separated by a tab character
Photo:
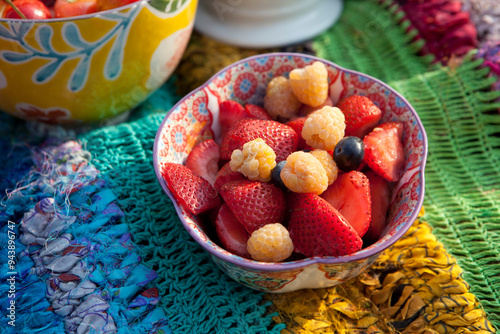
348	153
275	174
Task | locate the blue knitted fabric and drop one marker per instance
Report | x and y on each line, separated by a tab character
68	263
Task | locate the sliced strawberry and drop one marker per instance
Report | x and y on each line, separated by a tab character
350	195
298	124
254	111
226	175
204	160
318	229
280	137
305	110
232	234
191	191
384	150
381	192
254	203
361	115
230	112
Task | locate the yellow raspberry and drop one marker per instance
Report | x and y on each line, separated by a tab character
310	84
303	173
270	243
255	161
332	171
280	100
324	128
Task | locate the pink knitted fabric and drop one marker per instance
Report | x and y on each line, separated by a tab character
446	28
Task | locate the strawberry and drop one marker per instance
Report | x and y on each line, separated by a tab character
257	112
280	137
203	160
318	229
230	112
298	124
226	175
361	115
254	203
350	195
384	150
232	234
381	192
191	191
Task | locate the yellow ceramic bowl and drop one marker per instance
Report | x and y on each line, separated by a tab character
93	67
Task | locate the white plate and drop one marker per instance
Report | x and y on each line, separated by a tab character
235	26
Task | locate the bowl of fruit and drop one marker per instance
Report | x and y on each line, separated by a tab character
84	61
291	171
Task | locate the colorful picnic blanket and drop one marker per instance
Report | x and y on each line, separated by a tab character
90	243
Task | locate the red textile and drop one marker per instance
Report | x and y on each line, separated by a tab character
446	29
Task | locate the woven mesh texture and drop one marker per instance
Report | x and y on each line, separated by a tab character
196	296
463	126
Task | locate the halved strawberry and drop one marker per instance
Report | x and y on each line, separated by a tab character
254	111
191	191
204	160
350	195
226	175
280	137
384	150
230	112
318	229
381	192
361	115
254	203
232	234
298	124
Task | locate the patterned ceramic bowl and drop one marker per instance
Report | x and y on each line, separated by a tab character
195	118
91	67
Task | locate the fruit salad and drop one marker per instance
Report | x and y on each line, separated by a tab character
296	177
46	9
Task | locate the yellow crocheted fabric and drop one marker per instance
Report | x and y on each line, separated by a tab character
203	58
415	286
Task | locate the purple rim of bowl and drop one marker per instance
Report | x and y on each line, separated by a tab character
79	17
213	248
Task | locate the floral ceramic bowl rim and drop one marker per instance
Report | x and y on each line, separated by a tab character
79	17
217	251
